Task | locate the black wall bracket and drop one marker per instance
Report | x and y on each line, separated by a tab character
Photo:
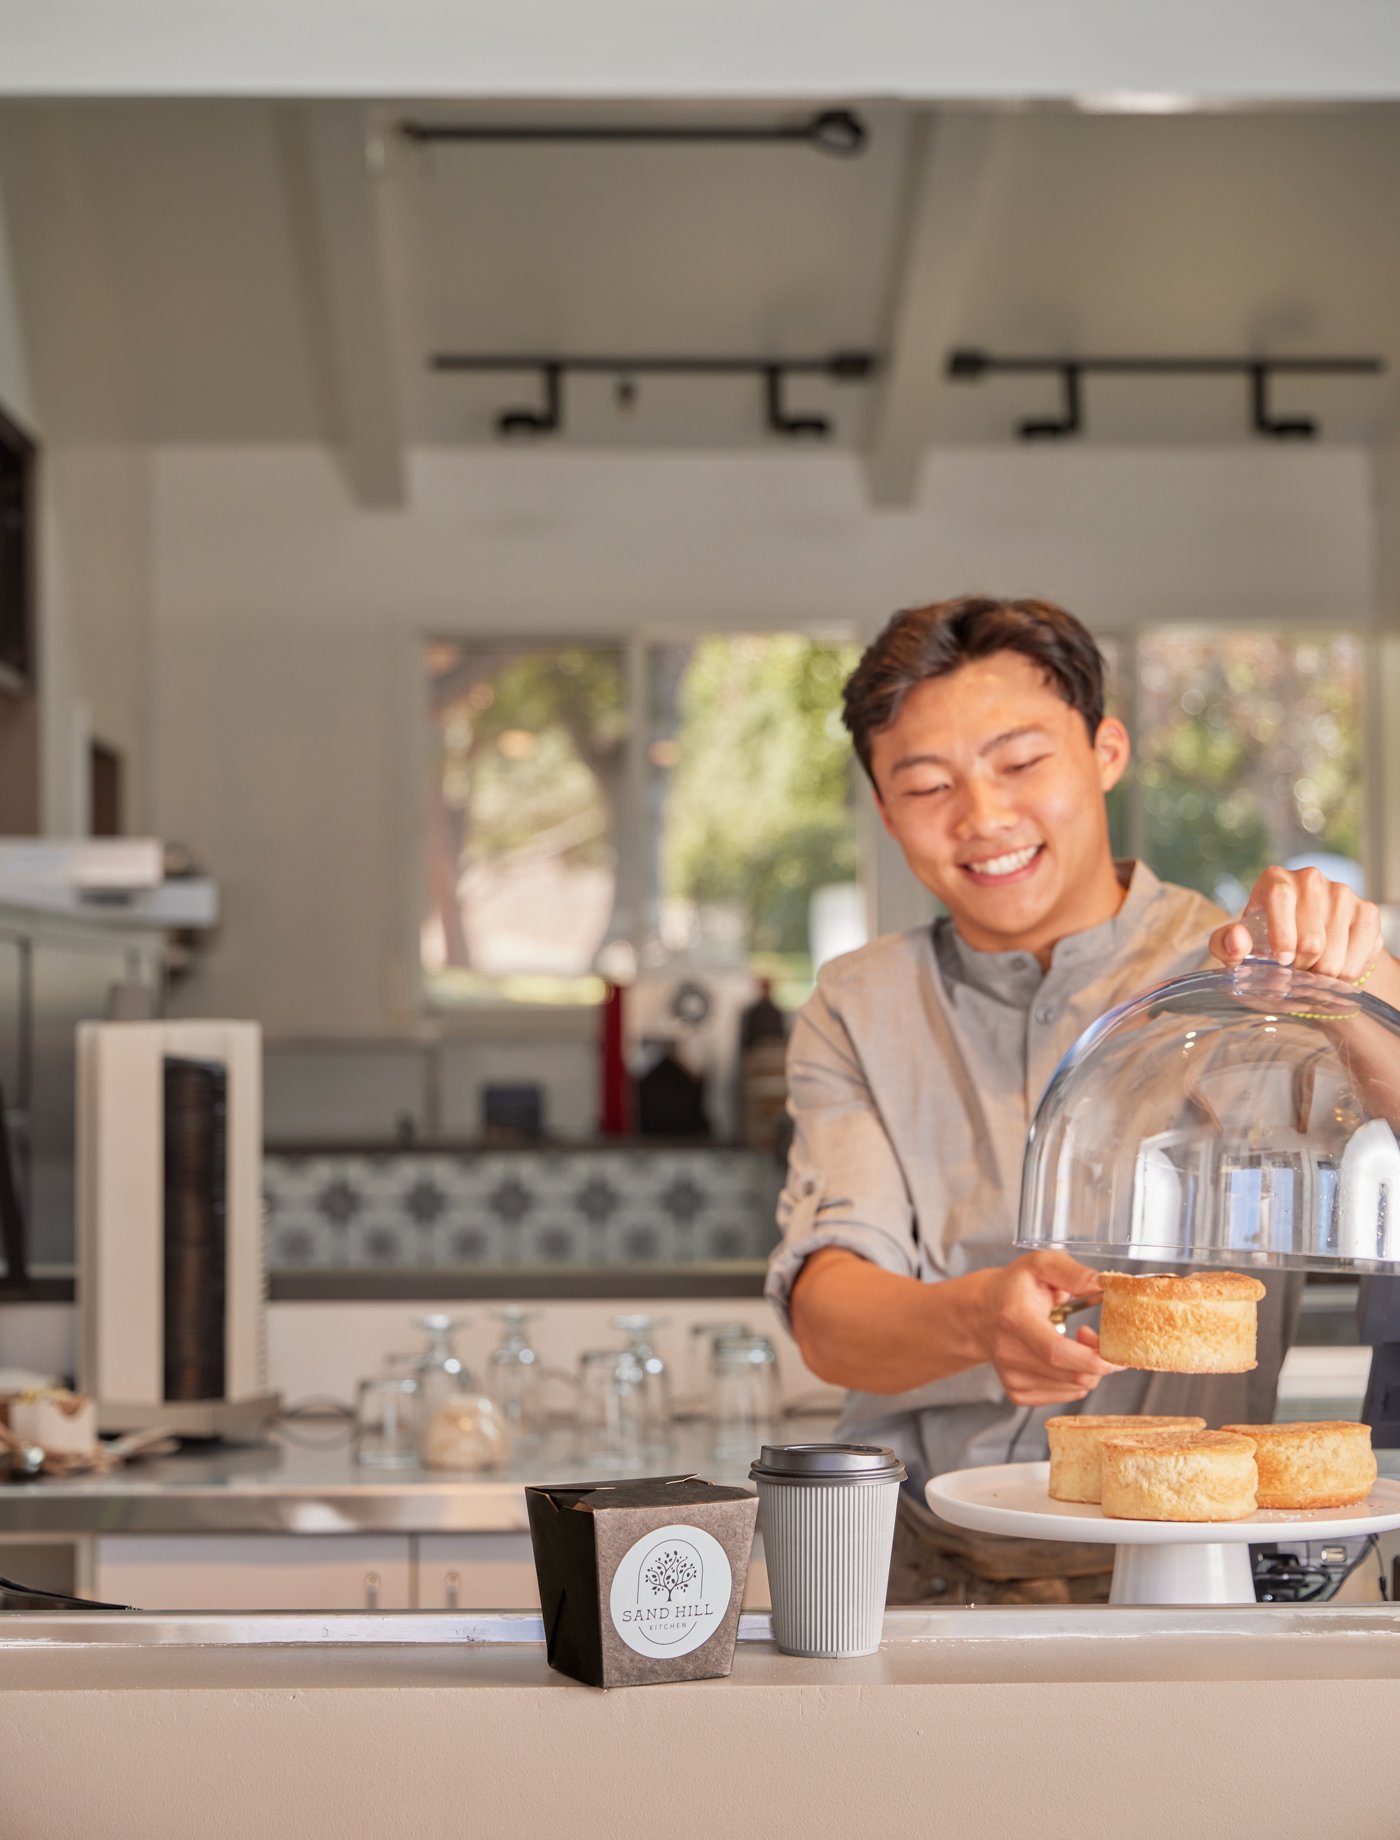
968	365
771	374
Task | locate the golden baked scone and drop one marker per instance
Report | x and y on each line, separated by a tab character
1327	1464
1076	1462
1204	1323
1179	1476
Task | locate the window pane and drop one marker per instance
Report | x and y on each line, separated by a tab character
1249	753
752	829
524	801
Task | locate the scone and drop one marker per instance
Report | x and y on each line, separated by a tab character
1076	1463
1179	1476
1325	1465
1205	1323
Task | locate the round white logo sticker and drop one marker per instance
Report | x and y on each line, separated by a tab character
670	1591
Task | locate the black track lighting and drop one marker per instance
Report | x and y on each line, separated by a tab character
772	374
968	365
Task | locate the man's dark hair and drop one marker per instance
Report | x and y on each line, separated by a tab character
926	642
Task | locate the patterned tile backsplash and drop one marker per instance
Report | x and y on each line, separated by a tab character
424	1208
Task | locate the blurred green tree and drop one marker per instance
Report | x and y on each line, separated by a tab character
1249	752
758	789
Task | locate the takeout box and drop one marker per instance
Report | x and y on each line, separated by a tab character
641	1581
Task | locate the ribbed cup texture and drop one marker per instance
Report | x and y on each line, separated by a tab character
827	1547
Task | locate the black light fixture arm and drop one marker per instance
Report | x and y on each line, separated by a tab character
549	419
791	427
1069	422
969	365
1285	428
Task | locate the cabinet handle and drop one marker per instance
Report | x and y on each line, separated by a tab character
371	1590
453	1582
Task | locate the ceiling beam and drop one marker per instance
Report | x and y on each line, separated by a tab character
351	316
950	160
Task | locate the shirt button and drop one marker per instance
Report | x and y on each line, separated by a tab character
1045	1013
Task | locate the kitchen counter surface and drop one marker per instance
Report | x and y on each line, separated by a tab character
1058	1721
306	1480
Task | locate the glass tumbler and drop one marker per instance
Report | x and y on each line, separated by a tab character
386	1422
699	1358
745	1396
612	1406
656	1380
513	1375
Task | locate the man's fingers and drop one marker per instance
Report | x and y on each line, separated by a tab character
1231	943
1089	1338
1059	1272
1364	943
1279	901
1036	1346
1040	1393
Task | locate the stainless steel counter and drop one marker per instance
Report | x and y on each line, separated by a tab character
306	1480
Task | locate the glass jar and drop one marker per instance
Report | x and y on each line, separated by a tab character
459	1427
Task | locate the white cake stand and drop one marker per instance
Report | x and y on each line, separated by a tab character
1157	1562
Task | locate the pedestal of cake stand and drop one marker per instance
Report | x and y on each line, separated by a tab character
1170	1573
1157	1562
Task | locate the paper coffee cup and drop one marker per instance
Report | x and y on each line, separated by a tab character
827	1513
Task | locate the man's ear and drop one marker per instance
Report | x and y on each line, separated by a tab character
1113	749
881	807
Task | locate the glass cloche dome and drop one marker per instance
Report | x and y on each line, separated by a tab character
1232	1117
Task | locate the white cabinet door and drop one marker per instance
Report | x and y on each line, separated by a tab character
255	1571
476	1571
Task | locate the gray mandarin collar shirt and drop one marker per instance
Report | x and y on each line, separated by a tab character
913	1073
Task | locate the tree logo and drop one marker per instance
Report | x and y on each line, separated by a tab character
671	1591
670	1572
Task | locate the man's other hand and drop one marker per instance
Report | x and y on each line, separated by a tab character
1313	925
1036	1364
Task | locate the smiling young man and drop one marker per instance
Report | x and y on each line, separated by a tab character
915	1069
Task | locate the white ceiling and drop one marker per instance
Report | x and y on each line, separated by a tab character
237	273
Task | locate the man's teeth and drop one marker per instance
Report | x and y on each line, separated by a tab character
1005	865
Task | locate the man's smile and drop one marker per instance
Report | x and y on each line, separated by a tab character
1013	866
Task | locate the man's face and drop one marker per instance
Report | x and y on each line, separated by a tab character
989	783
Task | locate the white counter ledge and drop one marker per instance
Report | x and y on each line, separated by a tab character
1052	1722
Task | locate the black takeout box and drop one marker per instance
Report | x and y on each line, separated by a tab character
641	1581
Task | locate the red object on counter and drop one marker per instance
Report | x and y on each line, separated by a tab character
614	1087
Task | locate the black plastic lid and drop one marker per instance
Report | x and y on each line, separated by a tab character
806	1463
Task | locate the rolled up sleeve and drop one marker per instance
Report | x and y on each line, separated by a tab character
844	1183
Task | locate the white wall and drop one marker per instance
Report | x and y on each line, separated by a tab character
285	621
1014	48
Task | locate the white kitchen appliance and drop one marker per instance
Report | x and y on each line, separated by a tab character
171	1282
